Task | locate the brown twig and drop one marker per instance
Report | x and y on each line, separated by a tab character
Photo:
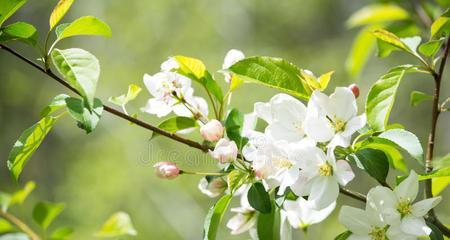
21	225
355	195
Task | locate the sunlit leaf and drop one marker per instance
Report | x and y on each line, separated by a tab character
388	42
87	25
235	179
176	124
430	48
86	118
57	102
21	31
20	196
377	13
273	72
362	48
59	11
80	69
27	144
118	225
418	97
122	100
214	217
394	156
439	184
8	8
406	140
441	26
5	201
44	213
61	233
5	226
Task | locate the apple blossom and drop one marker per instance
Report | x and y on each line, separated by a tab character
232	57
225	151
301	215
212	187
397	206
333	119
320	175
166	170
169	65
245	218
212	131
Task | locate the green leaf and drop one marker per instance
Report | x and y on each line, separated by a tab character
374	161
8	8
21	31
175	124
5	200
14	236
268	228
388	42
86	118
233	125
87	25
441	26
5	226
60	28
381	97
59	11
343	236
122	100
20	196
58	102
362	48
258	198
118	225
377	13
406	140
214	217
27	144
436	233
61	233
443	172
235	179
44	213
418	97
273	72
389	148
439	184
81	70
430	48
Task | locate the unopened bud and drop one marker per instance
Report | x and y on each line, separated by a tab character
166	170
212	131
355	89
225	151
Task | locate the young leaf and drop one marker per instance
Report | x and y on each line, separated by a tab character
390	39
5	226
439	184
258	198
389	148
58	102
87	25
118	225
374	161
377	13
59	11
86	118
5	201
61	233
406	140
233	125
418	97
388	42
80	68
214	217
176	124
235	179
21	31
362	48
44	213
20	196
381	97
27	144
343	236
8	8
273	72
441	26
430	48
122	100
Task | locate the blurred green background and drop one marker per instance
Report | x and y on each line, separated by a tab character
111	169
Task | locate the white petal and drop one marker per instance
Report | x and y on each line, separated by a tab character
285	229
158	107
359	237
343	172
343	104
381	204
263	111
169	65
355	220
419	209
302	186
354	125
324	191
279	131
339	140
395	233
232	57
408	188
415	226
318	128
181	110
319	216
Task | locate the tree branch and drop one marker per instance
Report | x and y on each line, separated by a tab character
21	225
352	194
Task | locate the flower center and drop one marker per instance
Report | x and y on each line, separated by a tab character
378	233
338	125
404	207
325	169
282	162
298	126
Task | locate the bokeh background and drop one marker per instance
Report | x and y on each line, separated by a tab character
111	169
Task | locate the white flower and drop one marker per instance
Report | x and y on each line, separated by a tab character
285	116
232	57
212	187
397	206
225	151
320	175
333	119
245	218
301	215
169	65
212	131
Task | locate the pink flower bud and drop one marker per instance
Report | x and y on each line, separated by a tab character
355	89
225	151
166	170
212	131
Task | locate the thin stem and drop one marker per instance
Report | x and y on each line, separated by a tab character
202	173
216	114
352	194
21	225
